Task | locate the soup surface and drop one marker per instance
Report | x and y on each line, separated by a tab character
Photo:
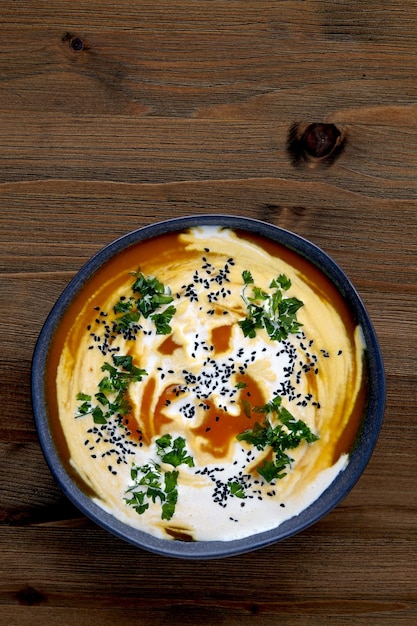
208	385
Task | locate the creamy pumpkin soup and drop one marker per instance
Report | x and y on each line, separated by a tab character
207	385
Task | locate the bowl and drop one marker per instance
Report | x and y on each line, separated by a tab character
330	283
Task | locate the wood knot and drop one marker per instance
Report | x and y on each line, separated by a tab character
315	143
76	43
320	139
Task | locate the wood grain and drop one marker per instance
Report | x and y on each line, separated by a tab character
175	108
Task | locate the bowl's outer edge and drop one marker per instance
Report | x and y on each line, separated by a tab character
335	493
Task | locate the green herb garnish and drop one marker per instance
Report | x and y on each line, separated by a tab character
173	452
152	482
171	494
286	435
112	395
236	489
150	298
271	311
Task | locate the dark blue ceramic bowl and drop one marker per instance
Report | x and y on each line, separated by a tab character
341	486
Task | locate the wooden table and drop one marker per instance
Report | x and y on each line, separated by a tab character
117	115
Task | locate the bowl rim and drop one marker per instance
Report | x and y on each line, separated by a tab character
329	499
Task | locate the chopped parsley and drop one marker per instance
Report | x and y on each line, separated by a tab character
236	489
284	436
173	452
271	311
149	299
112	395
152	482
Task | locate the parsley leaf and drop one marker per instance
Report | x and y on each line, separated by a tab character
162	320
270	310
137	501
149	299
271	470
153	483
247	277
111	397
147	484
171	492
236	489
173	452
287	434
